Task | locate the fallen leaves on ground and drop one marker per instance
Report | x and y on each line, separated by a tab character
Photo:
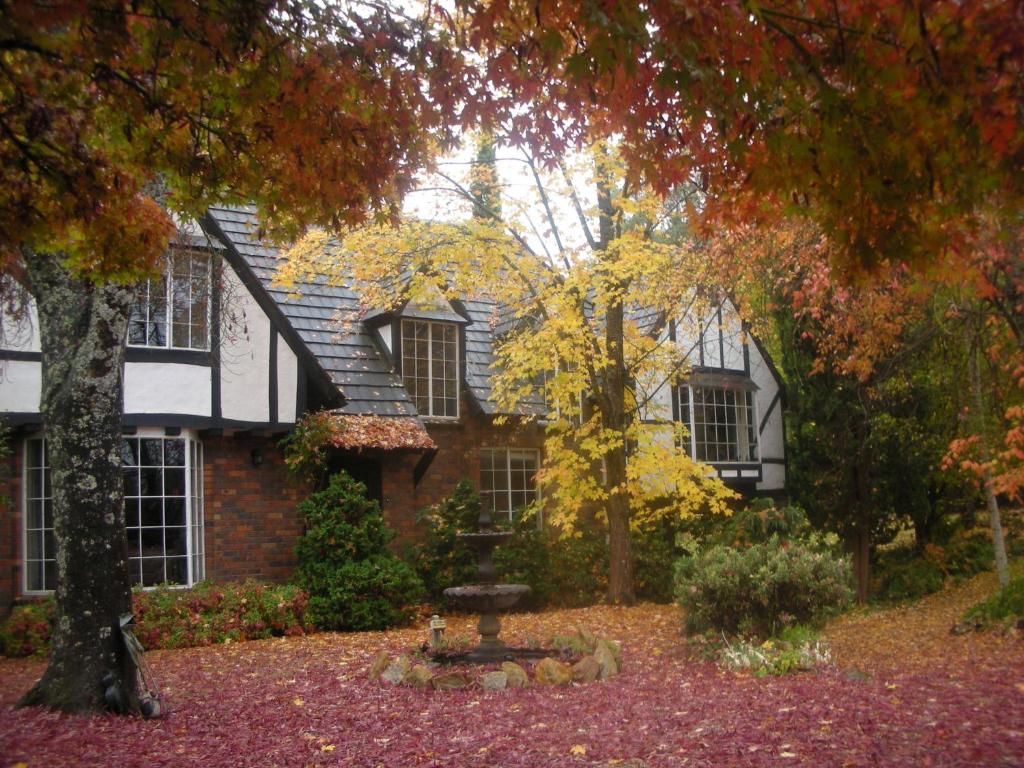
916	638
234	705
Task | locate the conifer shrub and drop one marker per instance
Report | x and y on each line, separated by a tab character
763	571
354	581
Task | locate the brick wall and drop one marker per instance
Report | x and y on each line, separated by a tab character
251	521
10	528
457	458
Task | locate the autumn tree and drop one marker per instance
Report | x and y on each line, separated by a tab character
587	275
116	115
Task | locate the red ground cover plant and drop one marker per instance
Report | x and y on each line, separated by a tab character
306	701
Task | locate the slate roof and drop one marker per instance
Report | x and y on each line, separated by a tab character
350	357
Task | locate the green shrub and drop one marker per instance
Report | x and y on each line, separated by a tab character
562	571
1007	603
439	558
26	632
655	550
763	582
354	582
171	617
909	579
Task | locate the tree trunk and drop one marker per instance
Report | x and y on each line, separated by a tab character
620	552
82	330
994	519
861	545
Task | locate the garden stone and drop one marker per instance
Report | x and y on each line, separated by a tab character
494	681
605	658
449	681
418	677
395	671
586	670
551	672
589	638
380	663
517	677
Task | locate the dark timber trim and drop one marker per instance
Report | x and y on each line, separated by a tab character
15	354
215	311
272	393
320	378
768	412
721	340
187	356
422	466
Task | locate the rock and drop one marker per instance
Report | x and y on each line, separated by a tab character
449	681
551	672
856	675
586	670
418	677
380	663
605	657
494	681
516	675
589	638
395	671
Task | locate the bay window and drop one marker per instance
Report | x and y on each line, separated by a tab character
163	508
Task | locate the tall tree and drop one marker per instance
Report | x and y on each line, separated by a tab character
579	270
112	116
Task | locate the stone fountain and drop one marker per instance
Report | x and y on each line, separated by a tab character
486	597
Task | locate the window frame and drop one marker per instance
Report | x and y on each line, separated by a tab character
431	325
507	452
753	448
168	281
45	468
193	497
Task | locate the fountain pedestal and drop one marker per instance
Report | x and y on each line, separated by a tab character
486	597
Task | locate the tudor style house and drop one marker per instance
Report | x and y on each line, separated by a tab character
221	364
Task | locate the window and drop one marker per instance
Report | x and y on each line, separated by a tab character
163	505
173	310
40	546
721	423
508	478
430	366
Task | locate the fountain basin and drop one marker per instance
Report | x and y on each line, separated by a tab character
486	598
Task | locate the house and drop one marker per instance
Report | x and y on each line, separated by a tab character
221	364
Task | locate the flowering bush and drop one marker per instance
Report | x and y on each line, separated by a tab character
759	584
170	617
774	657
27	630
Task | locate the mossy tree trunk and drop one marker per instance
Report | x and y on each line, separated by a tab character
82	328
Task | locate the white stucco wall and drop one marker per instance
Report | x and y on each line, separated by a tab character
287	381
167	388
245	358
20	385
20	334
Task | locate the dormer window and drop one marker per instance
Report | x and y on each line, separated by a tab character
173	310
430	366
